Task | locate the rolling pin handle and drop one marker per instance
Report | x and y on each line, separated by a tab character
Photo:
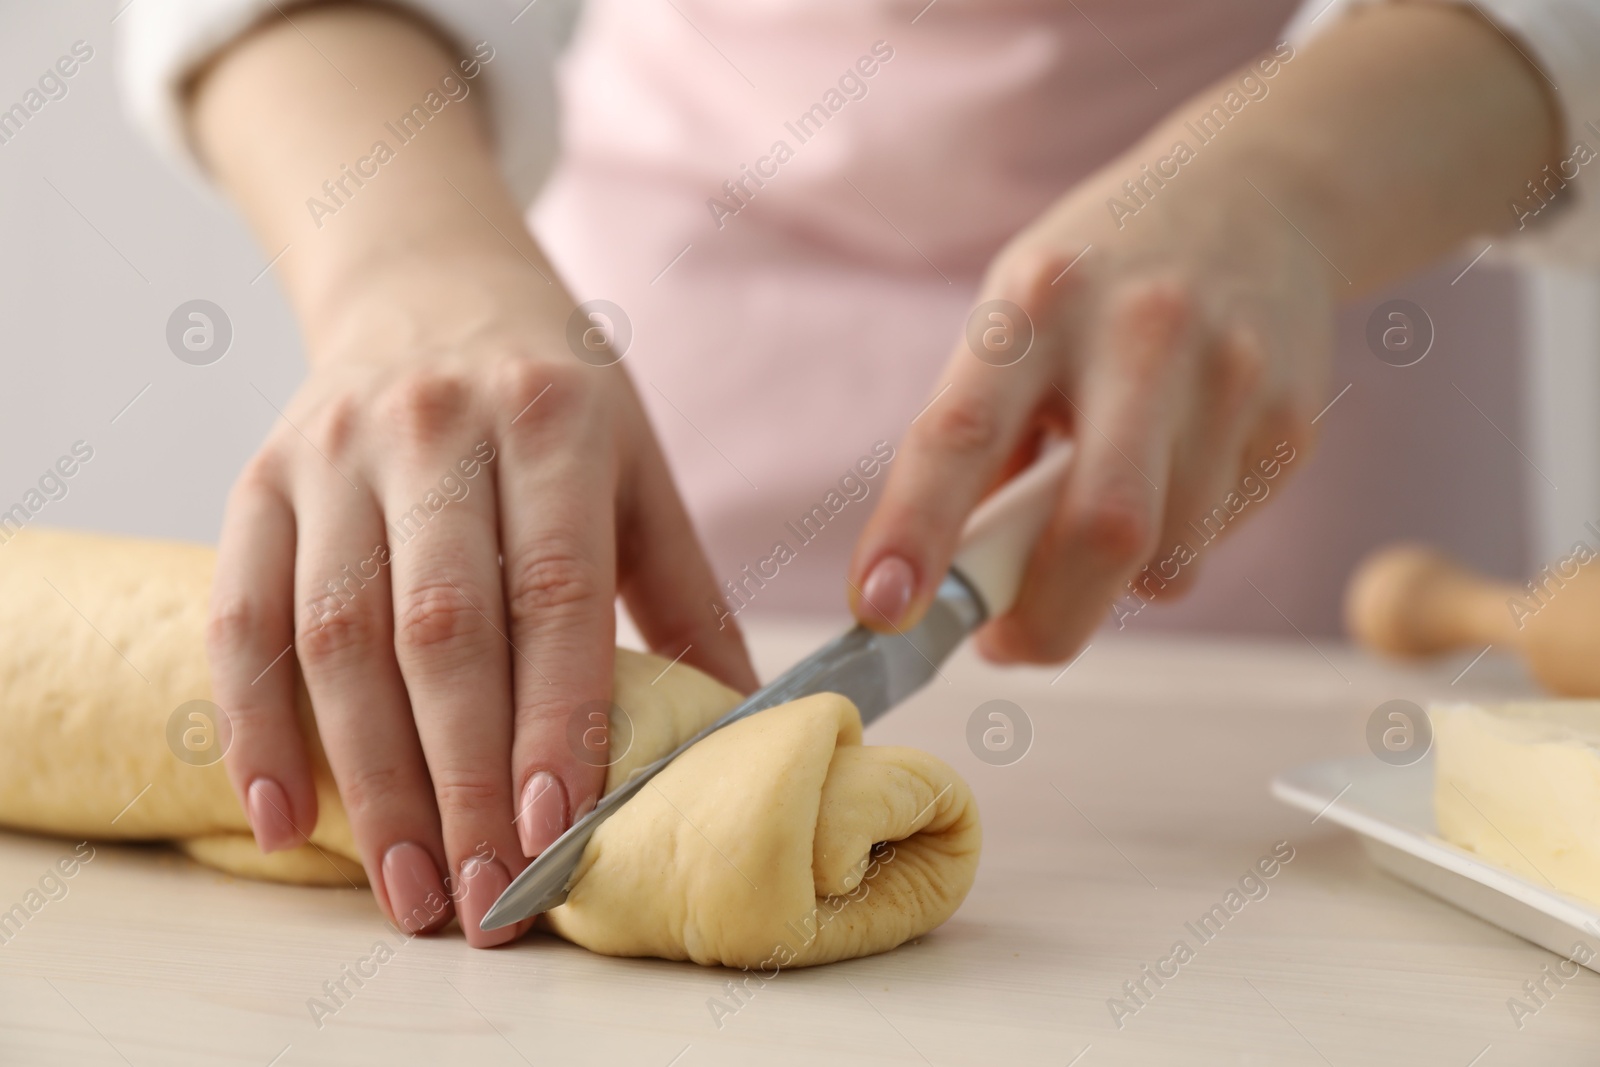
1411	601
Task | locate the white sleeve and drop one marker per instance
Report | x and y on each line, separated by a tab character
1561	223
162	42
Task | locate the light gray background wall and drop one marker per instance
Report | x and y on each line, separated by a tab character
99	242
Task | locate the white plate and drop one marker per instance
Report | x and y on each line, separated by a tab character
1392	809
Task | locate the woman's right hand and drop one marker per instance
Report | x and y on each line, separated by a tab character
442	518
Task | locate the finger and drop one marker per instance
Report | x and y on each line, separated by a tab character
1208	494
343	637
451	637
1105	523
949	459
667	583
249	633
557	476
1283	440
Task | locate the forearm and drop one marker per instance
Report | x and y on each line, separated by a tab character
333	172
1389	139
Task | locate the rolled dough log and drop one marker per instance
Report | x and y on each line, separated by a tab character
779	841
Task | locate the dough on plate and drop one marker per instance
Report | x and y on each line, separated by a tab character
780	841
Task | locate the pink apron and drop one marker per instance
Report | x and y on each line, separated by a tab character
793	202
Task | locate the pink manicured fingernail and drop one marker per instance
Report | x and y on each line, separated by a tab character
888	588
482	882
417	898
267	806
542	815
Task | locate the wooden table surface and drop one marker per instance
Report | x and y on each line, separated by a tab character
1140	803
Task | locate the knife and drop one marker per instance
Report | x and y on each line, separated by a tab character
874	670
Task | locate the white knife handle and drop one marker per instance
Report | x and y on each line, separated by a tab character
999	536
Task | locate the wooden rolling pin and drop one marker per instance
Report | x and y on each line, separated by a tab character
1410	601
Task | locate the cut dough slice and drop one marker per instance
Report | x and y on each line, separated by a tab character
780	841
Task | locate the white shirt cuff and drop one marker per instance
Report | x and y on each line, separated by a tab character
162	42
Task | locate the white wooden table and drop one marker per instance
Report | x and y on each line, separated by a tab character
1141	802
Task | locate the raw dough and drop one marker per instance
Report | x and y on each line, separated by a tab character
101	639
1519	784
780	841
751	849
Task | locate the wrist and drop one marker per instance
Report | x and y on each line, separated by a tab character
403	302
1238	182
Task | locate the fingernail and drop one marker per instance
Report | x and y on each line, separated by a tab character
542	815
267	807
888	588
482	882
417	899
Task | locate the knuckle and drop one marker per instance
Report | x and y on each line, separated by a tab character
1148	322
432	617
253	721
1165	575
233	622
1238	369
1163	304
1031	639
466	793
335	424
961	424
1023	277
540	583
1046	646
686	629
260	476
330	634
423	404
1115	531
532	393
519	381
372	789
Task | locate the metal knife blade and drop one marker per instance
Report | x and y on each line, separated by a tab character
875	671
